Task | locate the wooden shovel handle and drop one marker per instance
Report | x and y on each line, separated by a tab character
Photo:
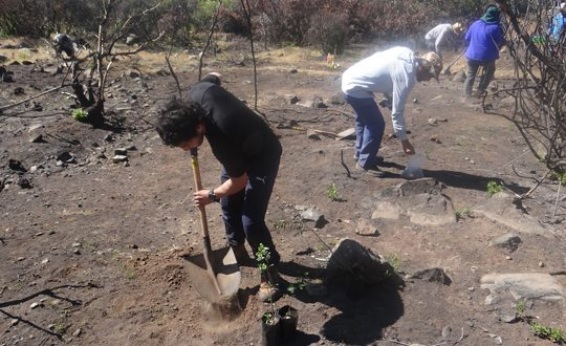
202	210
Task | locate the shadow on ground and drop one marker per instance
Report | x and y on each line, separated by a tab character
365	309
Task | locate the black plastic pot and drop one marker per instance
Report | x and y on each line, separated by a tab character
289	320
270	329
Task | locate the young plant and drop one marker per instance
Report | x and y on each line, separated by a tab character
493	187
300	285
520	308
462	213
263	259
393	261
555	335
332	192
268	318
80	114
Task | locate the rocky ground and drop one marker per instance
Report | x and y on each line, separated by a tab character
93	220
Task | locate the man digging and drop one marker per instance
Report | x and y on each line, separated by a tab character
249	153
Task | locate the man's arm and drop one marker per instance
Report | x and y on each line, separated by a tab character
229	187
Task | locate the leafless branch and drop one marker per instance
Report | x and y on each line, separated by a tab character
209	39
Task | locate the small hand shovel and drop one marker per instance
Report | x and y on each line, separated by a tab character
215	274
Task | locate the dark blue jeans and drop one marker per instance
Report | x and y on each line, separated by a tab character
369	130
485	78
243	213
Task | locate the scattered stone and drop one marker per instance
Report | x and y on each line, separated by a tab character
24	183
65	157
433	275
509	242
121	151
508	318
37	138
77	332
311	134
366	228
119	158
388	209
293	71
14	321
19	91
433	122
16	165
35	305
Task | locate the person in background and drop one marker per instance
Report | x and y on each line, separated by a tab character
484	38
557	24
443	35
392	72
249	152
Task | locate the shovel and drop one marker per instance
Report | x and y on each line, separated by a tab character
447	69
215	274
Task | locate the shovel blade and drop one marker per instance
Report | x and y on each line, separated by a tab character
225	271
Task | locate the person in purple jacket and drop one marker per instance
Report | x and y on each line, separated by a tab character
484	38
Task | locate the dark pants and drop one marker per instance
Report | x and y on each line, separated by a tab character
485	78
243	213
369	130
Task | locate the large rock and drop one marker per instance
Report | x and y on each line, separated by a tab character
505	209
351	264
529	286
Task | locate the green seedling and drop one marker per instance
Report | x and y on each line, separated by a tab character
493	187
393	262
300	285
555	335
332	192
80	114
560	177
263	258
462	213
520	308
280	224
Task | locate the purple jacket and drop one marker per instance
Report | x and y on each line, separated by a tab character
483	41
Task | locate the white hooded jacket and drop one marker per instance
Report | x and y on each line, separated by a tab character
391	72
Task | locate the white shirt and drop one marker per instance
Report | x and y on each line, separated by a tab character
391	72
440	34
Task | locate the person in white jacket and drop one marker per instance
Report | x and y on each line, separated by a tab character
392	72
441	35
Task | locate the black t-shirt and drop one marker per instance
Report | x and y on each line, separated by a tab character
239	138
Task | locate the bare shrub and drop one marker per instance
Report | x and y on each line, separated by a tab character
328	31
539	90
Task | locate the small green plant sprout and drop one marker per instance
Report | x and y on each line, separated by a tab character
300	285
280	224
520	308
263	258
80	114
555	335
463	213
268	317
393	261
493	187
332	192
560	177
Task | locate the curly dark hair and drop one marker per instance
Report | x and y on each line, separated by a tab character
178	121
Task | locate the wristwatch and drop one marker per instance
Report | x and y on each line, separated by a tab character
212	196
